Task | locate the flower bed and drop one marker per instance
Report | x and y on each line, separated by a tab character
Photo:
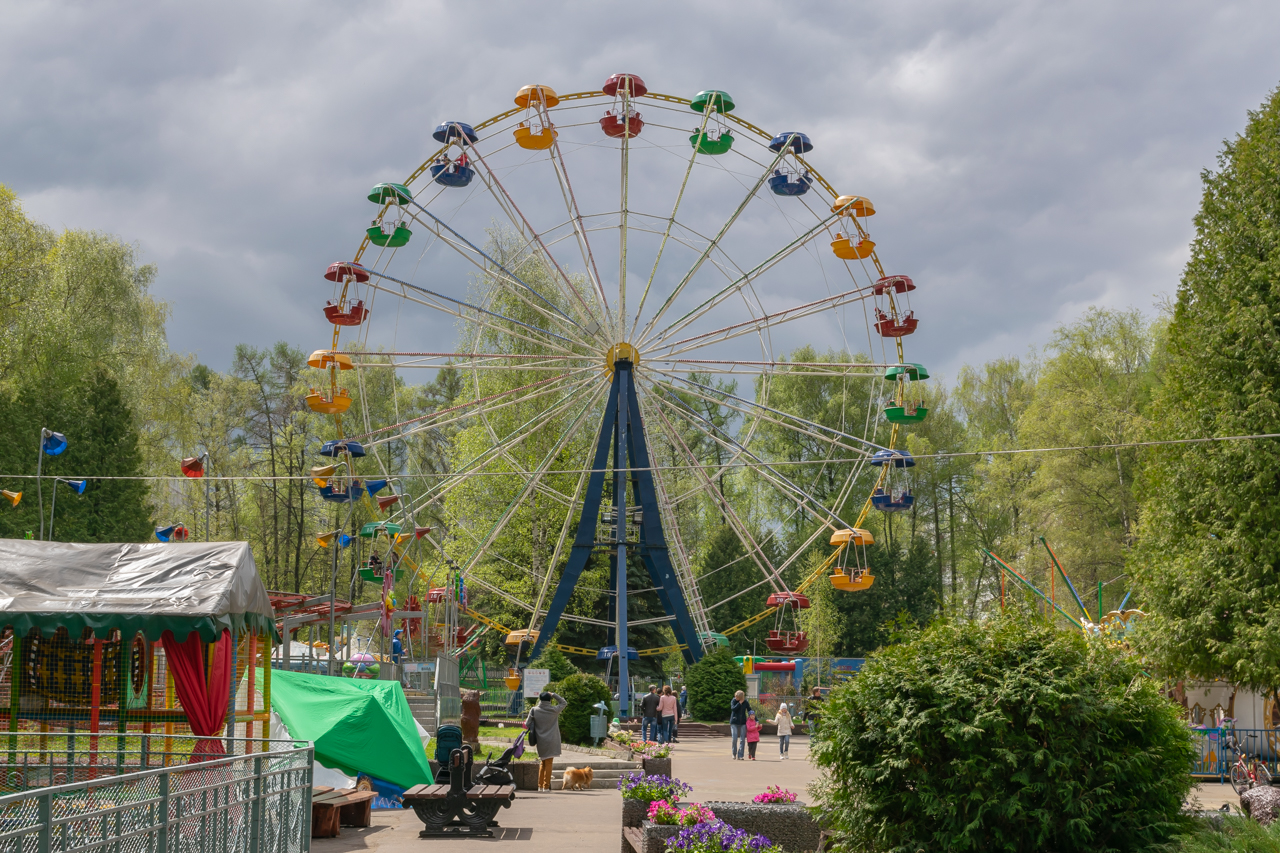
718	836
774	794
639	790
788	825
666	819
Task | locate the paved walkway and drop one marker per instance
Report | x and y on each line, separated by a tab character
565	821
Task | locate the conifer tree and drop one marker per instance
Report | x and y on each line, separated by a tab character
1208	557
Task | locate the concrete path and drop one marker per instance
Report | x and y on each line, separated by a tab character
560	822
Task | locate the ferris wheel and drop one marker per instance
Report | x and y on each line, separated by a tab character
627	255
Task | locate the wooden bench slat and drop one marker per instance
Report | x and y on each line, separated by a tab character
635	837
416	789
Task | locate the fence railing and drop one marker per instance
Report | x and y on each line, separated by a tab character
164	801
1215	757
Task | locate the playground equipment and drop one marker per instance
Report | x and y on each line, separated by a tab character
607	305
85	650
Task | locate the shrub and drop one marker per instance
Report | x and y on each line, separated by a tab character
581	691
1228	834
712	682
1007	735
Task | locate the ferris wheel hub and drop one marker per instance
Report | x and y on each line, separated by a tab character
619	353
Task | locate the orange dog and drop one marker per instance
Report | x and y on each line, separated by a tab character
577	780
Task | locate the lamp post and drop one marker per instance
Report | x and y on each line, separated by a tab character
78	485
52	443
193	467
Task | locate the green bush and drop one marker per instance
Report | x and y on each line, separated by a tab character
1229	834
581	691
712	682
1008	735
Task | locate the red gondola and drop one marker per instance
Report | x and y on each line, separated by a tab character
795	600
787	642
896	283
353	316
338	270
438	594
891	328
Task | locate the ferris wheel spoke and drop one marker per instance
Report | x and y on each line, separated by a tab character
757	324
501	274
574	428
671	221
713	245
443	303
584	246
564	535
736	285
735	367
460	411
717	497
786	420
763	468
509	206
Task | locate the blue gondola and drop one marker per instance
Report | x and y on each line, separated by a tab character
455	131
339	446
797	142
344	496
896	458
892	503
789	183
452	173
375	486
612	652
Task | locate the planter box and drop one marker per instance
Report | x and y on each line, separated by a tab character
789	825
656	766
634	812
525	774
656	836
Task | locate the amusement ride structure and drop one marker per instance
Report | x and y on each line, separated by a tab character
647	237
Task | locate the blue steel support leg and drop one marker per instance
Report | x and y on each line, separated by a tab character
585	539
621	483
658	558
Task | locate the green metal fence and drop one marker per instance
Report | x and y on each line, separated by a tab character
149	799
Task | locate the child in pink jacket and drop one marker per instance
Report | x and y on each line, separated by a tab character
753	734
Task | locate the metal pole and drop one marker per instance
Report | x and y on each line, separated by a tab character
1099	601
333	598
39	482
54	505
206	496
620	483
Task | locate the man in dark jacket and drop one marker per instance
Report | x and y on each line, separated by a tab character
649	719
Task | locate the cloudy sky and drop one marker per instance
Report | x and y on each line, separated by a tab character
1027	160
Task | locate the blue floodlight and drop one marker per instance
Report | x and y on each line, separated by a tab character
54	443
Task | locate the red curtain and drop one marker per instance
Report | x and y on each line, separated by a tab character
204	700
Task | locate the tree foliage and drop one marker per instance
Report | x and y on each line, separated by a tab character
582	692
1007	735
1209	553
712	682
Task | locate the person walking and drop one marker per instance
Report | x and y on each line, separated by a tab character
753	735
783	721
738	724
649	719
813	710
684	701
667	710
544	721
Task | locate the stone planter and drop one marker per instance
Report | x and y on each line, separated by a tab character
525	774
656	836
787	824
634	812
656	766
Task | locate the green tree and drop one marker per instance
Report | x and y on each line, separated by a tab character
553	660
712	682
1208	558
1003	735
582	692
905	585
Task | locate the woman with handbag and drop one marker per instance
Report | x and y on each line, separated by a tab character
543	725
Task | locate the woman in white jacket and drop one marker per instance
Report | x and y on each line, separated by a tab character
783	722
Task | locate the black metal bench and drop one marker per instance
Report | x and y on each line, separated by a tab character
459	808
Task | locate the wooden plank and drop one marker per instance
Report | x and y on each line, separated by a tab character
417	789
635	837
317	790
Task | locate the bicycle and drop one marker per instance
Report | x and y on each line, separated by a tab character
1246	773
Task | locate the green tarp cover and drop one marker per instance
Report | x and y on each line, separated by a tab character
357	725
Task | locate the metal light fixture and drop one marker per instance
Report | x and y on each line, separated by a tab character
77	485
52	444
